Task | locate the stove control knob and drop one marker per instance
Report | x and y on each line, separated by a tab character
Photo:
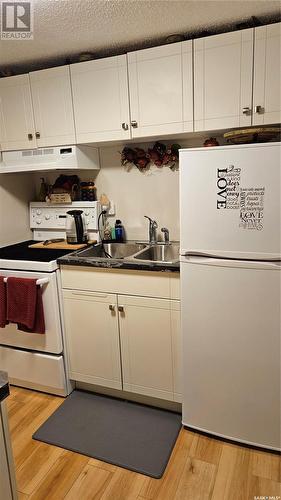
87	213
38	221
87	222
47	217
38	212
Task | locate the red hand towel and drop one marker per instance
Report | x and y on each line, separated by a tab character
39	323
21	301
3	303
24	304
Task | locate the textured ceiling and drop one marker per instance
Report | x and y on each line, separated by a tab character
65	28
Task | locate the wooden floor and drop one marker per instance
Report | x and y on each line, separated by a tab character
200	468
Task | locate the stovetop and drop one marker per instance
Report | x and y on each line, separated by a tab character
20	256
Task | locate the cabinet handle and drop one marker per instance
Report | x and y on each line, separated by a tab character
134	124
30	137
246	111
258	109
111	307
125	126
37	135
121	309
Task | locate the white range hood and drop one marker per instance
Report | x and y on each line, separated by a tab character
52	158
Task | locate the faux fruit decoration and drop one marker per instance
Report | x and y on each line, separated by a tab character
212	141
159	155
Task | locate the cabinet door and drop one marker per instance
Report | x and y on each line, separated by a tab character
267	71
92	337
146	346
177	349
16	114
156	90
223	80
52	105
100	99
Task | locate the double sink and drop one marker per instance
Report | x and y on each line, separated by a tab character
167	253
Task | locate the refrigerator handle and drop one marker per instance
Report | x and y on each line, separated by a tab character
230	255
239	263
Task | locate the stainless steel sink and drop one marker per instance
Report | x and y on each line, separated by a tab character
160	253
112	250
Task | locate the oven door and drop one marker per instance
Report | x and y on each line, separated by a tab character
51	341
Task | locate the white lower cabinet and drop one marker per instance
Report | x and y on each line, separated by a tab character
92	337
124	342
146	346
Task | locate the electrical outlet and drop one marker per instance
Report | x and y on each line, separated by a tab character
111	210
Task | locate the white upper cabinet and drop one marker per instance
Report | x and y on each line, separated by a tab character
213	83
223	67
160	85
36	110
16	118
100	99
52	106
267	71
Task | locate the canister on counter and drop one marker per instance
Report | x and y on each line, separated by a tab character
88	191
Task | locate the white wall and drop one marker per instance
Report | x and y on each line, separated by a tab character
16	190
154	193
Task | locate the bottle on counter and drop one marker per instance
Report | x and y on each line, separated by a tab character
119	231
113	234
43	190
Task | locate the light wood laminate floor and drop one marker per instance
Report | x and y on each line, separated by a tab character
200	468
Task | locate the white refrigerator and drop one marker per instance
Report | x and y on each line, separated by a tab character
230	291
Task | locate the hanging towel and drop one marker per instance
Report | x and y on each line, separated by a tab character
3	303
24	304
39	322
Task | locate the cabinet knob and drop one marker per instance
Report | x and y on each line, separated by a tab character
258	109
111	307
37	135
30	137
246	111
125	126
121	309
134	124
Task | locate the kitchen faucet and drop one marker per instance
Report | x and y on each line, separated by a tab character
166	235
152	230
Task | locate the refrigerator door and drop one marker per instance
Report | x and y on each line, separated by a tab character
230	201
231	334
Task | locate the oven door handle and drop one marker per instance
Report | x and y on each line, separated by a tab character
40	282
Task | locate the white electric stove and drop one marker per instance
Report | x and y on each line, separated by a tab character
34	360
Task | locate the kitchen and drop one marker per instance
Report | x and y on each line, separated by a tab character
133	327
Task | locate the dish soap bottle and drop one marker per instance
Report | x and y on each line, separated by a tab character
119	231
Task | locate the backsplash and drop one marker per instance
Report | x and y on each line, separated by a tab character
15	192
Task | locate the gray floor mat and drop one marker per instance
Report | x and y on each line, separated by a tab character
130	435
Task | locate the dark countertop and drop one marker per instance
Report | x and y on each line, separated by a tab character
4	385
75	260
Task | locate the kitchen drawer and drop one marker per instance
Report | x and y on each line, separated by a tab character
127	282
